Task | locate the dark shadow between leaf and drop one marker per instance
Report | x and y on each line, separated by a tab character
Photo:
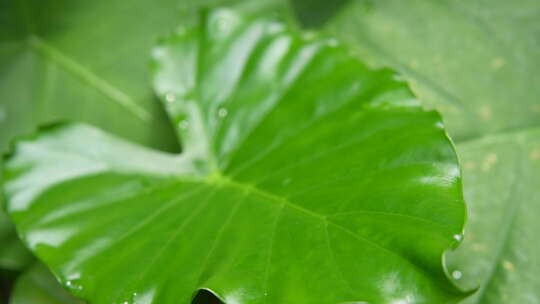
205	296
313	14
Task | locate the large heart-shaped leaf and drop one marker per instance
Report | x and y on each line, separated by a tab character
306	178
477	62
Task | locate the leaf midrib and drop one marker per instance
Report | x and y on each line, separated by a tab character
40	46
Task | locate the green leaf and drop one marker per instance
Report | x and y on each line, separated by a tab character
13	255
85	61
303	172
38	285
502	173
477	62
62	66
88	61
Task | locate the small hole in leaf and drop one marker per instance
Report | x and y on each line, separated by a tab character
204	296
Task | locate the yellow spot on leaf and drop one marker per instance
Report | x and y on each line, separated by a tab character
479	247
490	160
508	265
498	63
535	154
469	165
485	113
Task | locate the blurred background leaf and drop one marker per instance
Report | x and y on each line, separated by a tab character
38	285
315	13
477	62
13	255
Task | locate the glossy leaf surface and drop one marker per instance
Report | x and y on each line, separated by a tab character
303	171
38	285
477	62
85	61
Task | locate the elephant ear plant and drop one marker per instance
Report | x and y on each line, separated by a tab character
306	177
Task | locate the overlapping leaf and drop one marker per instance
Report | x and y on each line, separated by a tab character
13	255
477	62
304	172
38	285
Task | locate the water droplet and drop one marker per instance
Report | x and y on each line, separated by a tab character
456	274
222	112
170	97
183	125
286	181
73	285
458	237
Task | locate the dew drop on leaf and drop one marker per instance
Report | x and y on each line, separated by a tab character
73	285
222	112
456	274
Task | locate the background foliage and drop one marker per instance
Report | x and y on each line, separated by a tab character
477	63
